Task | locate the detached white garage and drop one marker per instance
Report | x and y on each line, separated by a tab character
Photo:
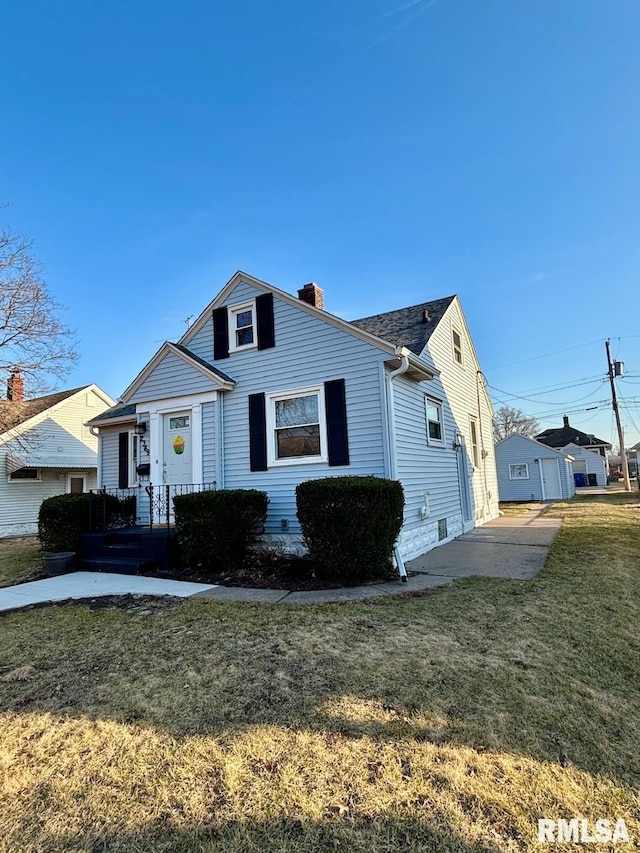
587	462
531	471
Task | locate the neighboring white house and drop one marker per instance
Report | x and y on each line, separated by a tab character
45	449
530	471
266	390
587	462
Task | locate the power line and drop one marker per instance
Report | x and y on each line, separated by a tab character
553	402
560	351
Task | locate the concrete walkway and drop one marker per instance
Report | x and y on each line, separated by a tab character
510	547
91	585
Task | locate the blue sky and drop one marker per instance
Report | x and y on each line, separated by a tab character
391	152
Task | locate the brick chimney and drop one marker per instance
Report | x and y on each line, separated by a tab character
312	295
565	418
15	387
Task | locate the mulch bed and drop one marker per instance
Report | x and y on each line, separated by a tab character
278	572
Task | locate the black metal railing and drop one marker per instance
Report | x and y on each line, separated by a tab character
161	499
111	509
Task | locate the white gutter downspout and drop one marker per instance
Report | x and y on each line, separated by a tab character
391	419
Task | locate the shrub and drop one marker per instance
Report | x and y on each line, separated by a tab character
215	528
64	518
350	524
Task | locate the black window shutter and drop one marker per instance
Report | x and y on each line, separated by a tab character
123	460
257	433
336	411
264	317
220	334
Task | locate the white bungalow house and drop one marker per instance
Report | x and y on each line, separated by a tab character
266	390
531	471
46	449
587	462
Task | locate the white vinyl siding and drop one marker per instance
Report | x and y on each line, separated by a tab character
59	431
465	396
308	352
172	377
517	451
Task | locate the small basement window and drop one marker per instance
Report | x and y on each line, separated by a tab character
25	474
442	529
519	471
242	326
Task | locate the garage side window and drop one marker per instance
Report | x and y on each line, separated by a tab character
519	471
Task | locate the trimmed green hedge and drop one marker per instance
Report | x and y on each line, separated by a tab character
215	528
350	524
64	518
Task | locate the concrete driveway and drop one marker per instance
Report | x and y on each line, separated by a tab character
509	547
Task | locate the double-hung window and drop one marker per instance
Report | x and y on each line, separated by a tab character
475	447
457	346
296	427
435	425
242	326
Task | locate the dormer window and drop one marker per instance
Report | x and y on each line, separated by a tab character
242	326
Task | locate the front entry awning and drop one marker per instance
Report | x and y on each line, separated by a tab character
15	461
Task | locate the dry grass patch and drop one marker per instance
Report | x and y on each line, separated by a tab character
517	508
20	560
449	721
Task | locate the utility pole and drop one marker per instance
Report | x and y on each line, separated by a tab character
614	401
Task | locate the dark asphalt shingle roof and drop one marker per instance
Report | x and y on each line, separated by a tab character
117	411
564	435
13	414
407	326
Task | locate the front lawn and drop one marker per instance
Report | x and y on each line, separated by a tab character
449	721
20	560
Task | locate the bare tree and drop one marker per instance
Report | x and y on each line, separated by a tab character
508	421
33	340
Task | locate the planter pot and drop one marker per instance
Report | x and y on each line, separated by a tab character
60	563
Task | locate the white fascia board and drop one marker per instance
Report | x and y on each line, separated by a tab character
151	365
331	319
18	429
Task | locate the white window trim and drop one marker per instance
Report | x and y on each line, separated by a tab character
270	399
77	475
457	331
38	479
232	310
133	474
473	421
436	442
519	465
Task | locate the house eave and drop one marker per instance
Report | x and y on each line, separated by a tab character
321	314
417	370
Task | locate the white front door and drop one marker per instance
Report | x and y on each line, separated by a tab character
551	479
177	466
